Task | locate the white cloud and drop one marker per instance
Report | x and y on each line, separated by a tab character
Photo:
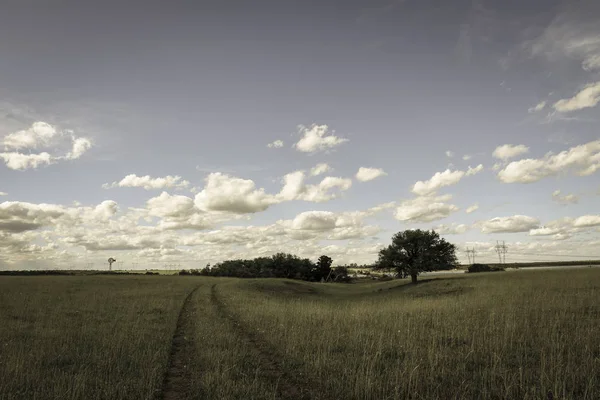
294	188
538	107
44	136
425	209
80	146
166	205
449	154
319	169
368	174
149	183
453	229
277	144
472	208
40	134
3	194
230	194
588	97
515	223
442	179
467	157
20	161
317	138
574	33
564	199
508	151
315	221
584	159
587	221
474	171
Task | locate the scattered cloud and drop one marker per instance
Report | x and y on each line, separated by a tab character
277	144
508	151
45	137
368	174
317	138
449	154
425	209
513	224
472	208
538	107
149	183
319	169
588	97
230	194
583	159
294	188
442	179
467	157
564	199
574	33
453	229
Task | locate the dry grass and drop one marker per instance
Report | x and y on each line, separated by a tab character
506	335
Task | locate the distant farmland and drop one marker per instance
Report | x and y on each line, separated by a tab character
509	335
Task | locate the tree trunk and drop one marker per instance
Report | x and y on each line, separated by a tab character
413	277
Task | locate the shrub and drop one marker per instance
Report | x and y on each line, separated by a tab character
484	268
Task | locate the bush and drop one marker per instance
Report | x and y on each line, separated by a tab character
484	268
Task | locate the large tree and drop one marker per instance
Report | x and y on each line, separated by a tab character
416	251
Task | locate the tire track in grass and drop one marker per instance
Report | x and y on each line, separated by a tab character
176	380
290	384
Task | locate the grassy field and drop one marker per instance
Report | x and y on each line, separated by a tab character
510	335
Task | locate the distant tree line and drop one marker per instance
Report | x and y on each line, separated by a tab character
280	265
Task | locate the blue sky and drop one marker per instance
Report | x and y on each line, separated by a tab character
141	131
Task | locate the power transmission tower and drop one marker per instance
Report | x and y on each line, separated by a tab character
471	254
501	249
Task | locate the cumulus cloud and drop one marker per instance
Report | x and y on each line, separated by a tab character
513	224
149	183
80	147
315	221
368	174
538	107
467	157
226	193
20	161
16	217
425	209
317	138
277	144
331	226
442	179
319	169
294	188
564	199
508	151
564	228
166	205
472	208
583	160
587	221
588	97
3	194
453	229
45	137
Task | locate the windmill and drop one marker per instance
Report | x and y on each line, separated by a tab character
110	263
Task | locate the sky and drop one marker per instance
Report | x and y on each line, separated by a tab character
183	133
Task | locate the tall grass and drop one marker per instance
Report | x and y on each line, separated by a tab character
507	335
510	335
77	337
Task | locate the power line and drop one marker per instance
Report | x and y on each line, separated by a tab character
554	255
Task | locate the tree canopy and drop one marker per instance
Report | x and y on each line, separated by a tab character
416	251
